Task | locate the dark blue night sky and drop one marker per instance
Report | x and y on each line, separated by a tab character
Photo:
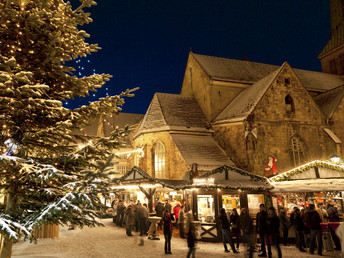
146	43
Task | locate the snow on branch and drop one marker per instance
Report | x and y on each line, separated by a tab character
10	227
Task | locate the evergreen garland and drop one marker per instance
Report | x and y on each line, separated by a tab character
317	163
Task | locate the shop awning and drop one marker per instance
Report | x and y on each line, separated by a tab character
310	185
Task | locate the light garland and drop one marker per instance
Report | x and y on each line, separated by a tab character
316	163
139	151
223	168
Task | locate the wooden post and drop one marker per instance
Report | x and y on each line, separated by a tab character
149	195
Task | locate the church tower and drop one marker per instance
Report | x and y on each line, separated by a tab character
332	56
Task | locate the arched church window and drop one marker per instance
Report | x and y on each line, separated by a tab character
297	151
290	107
159	160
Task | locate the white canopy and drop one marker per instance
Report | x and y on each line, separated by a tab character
316	176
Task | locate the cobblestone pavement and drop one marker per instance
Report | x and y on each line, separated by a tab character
111	241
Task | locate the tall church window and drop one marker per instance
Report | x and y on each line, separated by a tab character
159	160
297	151
289	104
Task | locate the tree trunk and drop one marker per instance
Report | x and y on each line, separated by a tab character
5	242
6	246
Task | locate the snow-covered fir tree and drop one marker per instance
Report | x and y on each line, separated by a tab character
44	177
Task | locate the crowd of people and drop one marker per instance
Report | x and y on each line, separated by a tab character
272	229
306	224
135	217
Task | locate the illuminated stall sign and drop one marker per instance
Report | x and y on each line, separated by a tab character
203	181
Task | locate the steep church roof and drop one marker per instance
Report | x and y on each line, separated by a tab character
231	70
244	103
110	122
173	112
329	100
201	149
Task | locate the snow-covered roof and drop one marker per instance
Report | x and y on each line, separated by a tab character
231	70
333	136
201	149
173	112
328	101
312	170
137	176
244	103
110	123
235	178
313	176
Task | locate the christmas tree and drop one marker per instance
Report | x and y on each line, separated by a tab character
45	178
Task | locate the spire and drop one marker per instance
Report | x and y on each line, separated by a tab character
337	14
332	56
337	27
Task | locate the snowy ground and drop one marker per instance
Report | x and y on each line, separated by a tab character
111	241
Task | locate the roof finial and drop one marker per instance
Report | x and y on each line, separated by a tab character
190	50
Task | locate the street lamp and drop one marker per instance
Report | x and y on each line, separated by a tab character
335	159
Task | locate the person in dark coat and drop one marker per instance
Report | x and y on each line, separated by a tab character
181	221
224	223
273	224
129	220
159	210
235	226
292	218
313	220
168	206
333	217
120	213
284	224
167	226
142	217
299	229
306	230
247	229
262	229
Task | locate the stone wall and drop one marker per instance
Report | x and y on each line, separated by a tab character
276	123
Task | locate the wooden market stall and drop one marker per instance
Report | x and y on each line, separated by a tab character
224	187
136	182
315	182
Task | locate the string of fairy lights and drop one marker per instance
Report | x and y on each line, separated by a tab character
84	67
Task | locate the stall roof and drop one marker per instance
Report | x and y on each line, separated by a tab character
225	177
137	176
313	176
233	178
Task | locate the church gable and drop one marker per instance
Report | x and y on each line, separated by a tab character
246	101
153	118
286	99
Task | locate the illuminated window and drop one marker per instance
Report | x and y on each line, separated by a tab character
297	151
121	169
159	160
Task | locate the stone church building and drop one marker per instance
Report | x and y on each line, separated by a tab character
258	117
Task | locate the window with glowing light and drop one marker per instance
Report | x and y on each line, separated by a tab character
297	150
159	160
